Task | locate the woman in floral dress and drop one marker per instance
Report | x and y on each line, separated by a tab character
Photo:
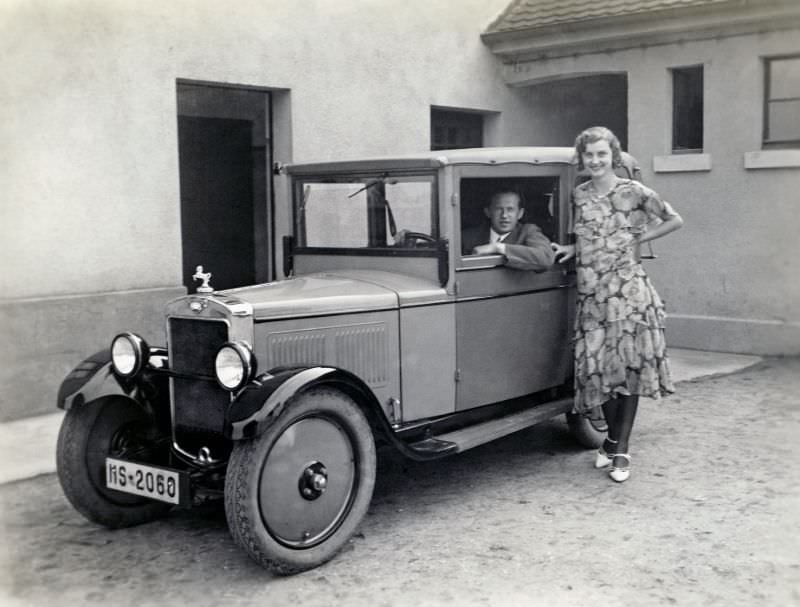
620	352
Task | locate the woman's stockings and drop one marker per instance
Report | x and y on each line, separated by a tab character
623	421
610	412
620	414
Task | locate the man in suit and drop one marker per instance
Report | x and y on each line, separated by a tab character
522	244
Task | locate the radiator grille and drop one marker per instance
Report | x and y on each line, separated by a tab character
198	404
194	344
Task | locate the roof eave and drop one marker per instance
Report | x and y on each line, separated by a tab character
641	29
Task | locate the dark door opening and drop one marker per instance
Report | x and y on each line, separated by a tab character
216	168
570	105
223	149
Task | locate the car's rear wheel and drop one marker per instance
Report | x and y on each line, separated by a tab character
589	430
110	427
295	494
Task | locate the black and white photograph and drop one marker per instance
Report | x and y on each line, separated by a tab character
369	303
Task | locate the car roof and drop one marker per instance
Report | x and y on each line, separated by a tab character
439	158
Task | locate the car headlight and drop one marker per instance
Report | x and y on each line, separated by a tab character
129	353
234	365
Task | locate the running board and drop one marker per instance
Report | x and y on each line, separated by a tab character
478	434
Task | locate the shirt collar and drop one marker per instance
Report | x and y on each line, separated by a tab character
494	236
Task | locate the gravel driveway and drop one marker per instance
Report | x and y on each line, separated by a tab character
710	516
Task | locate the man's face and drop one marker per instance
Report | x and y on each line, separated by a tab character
504	212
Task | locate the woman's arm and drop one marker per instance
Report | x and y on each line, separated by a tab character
670	223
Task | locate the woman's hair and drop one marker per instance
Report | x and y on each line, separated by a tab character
594	134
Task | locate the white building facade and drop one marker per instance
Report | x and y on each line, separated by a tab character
706	93
113	111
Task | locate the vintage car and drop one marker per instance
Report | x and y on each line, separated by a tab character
385	333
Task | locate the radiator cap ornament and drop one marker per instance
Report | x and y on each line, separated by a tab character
205	277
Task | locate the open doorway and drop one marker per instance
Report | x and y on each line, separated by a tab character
224	136
567	105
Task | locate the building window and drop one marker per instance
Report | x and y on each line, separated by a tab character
687	109
782	101
455	129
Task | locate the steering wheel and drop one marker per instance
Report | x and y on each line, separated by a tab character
411	237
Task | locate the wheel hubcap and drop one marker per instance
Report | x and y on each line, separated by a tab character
308	482
313	481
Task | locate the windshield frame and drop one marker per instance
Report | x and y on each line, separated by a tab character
299	181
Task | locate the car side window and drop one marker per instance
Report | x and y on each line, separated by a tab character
538	197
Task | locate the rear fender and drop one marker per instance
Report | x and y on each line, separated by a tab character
264	399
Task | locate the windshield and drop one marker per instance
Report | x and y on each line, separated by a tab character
362	212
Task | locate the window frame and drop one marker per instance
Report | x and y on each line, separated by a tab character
678	120
766	142
452	118
563	174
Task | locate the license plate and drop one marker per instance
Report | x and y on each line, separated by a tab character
140	479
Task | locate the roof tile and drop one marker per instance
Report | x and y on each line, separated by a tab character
529	14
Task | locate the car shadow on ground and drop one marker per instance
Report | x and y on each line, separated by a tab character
400	479
405	488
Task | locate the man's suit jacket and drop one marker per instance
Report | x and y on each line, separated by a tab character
526	247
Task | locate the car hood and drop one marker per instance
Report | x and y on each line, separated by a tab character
337	292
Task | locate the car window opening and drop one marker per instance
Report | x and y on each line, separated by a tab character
538	197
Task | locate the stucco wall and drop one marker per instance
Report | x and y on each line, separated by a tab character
90	214
89	120
729	276
89	161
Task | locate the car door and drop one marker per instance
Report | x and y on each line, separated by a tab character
513	327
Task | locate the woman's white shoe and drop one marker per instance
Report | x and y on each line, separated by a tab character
603	457
620	473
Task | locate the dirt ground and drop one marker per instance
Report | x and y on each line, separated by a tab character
710	516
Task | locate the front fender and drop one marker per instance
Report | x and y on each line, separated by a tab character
91	379
94	378
264	399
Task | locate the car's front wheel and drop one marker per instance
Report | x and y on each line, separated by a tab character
588	429
110	427
295	494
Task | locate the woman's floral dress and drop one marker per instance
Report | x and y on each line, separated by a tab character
619	326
